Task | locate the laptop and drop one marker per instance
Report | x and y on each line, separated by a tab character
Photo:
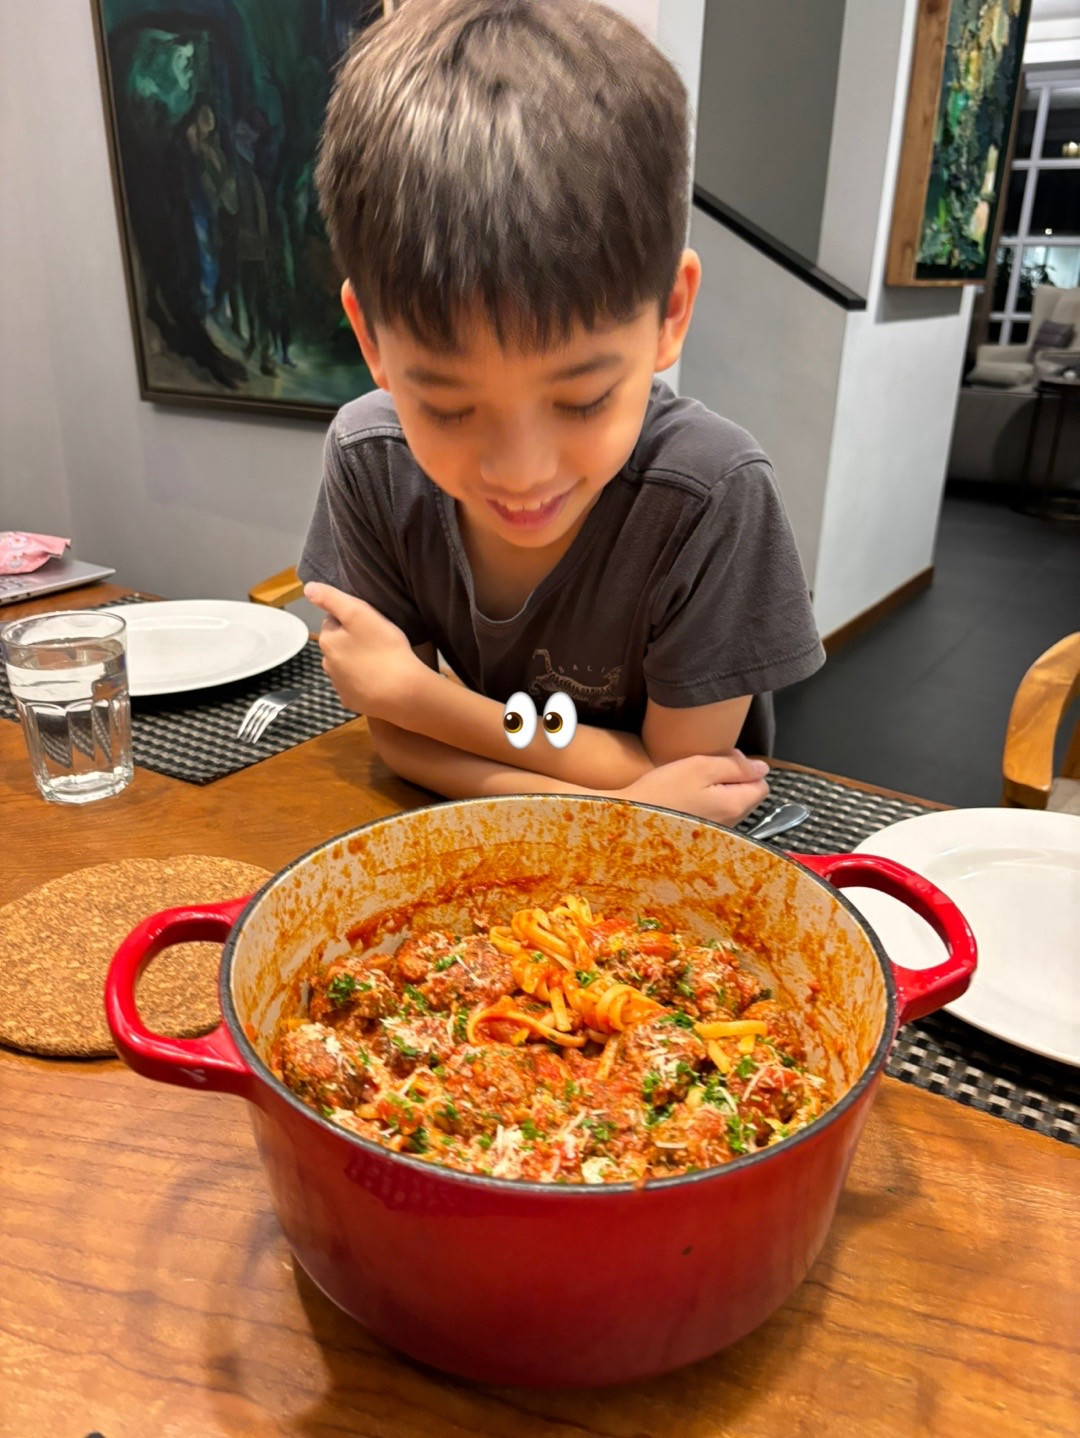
54	574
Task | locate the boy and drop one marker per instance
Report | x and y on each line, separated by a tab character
505	185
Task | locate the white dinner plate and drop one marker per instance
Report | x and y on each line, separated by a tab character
1015	876
182	644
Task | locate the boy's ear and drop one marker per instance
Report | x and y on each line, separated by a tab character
365	337
680	308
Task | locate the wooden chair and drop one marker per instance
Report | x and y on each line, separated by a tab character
278	590
1045	693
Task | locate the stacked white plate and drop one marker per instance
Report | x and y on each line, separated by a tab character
184	644
1015	876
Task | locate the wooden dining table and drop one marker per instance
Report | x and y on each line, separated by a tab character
146	1290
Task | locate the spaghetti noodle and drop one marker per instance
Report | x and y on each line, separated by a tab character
561	1046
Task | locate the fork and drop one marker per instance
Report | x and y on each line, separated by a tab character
263	713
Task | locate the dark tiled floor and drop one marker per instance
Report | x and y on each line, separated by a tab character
920	702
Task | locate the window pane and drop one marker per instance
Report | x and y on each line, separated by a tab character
1015	198
1063	266
1057	203
1001	277
993	333
1019	334
1062	123
1025	126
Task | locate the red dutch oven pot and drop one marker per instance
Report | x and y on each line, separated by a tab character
548	1284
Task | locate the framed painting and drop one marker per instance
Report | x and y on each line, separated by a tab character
965	76
213	110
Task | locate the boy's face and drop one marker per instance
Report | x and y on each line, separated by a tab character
526	441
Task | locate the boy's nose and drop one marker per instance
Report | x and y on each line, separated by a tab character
518	461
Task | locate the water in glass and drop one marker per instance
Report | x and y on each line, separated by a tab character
73	700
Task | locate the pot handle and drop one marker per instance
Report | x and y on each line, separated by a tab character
918	991
211	1062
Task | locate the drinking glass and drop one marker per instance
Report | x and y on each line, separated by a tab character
68	673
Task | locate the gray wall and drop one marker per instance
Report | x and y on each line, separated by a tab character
765	113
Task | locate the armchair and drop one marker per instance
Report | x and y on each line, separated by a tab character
1009	366
1045	694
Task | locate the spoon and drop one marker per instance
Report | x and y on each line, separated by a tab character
782	818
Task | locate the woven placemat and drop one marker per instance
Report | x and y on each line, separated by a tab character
192	736
939	1053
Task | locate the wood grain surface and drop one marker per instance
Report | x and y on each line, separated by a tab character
917	148
146	1291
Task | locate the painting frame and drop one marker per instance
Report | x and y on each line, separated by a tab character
947	198
201	394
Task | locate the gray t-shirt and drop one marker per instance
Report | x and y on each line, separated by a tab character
682	586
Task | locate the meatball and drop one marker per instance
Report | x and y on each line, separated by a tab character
414	958
350	989
471	971
322	1068
714	987
779	1026
660	1058
695	1138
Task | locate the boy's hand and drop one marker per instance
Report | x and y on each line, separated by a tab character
368	658
722	787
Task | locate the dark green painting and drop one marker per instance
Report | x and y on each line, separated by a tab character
983	57
214	109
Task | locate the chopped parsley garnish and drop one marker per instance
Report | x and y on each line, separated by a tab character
657	1115
340	990
461	1019
648	923
683	1070
586	976
420	1140
649	1084
745	1067
570	1090
449	1111
404	1048
679	1019
716	1092
684	986
326	1110
415	997
740	1135
602	1129
787	1060
484	1141
529	1129
440	966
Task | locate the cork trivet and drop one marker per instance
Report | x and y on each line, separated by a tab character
57	941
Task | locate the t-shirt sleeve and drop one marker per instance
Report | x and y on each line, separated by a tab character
352	541
733	616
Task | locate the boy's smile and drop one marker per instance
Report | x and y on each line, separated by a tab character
525	440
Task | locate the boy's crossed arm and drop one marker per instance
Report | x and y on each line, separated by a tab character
449	739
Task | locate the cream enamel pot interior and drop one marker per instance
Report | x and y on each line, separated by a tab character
557	1285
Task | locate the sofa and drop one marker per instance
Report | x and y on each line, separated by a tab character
996	407
1021	366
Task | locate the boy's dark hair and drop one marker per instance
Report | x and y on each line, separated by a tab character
524	158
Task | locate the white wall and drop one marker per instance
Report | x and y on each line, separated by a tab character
765	350
768	83
1053	36
182	502
857	407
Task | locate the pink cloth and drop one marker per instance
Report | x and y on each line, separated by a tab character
21	553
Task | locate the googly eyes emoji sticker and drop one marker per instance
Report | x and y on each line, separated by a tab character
560	720
520	721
